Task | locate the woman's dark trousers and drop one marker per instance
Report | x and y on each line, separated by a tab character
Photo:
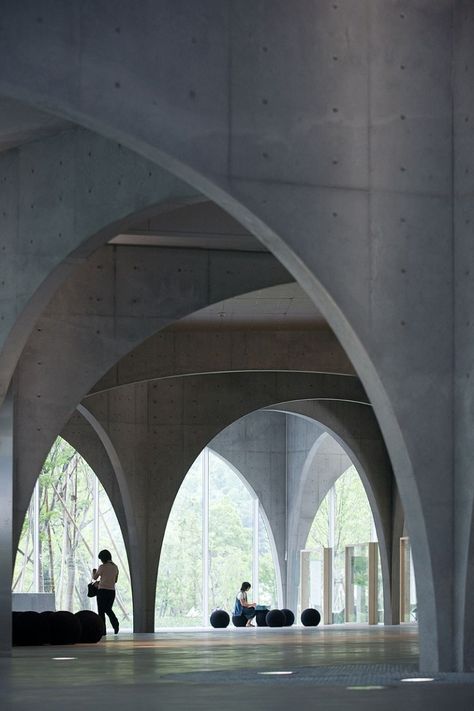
249	612
105	600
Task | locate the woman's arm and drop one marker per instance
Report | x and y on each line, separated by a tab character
244	603
96	573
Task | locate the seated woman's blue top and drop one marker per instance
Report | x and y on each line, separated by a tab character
238	609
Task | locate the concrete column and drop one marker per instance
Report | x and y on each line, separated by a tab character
6	522
463	555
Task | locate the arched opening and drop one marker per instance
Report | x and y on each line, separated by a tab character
217	535
69	520
341	571
339	536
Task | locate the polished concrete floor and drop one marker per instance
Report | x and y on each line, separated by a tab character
335	667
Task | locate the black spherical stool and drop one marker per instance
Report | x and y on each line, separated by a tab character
289	617
219	619
239	620
310	617
261	618
45	626
65	628
92	627
26	628
275	618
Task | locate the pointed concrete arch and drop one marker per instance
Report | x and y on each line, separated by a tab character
335	224
356	430
135	552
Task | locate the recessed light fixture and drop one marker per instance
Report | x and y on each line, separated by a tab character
365	688
418	678
277	673
62	659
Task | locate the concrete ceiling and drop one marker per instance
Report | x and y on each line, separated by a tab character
201	225
284	307
21	124
204	225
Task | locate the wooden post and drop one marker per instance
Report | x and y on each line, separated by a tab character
373	583
327	590
349	585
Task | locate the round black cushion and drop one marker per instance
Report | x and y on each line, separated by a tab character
289	617
261	618
65	628
16	627
92	627
275	618
45	626
310	617
239	620
219	619
26	628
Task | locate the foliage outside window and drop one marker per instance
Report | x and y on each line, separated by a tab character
345	519
57	552
180	590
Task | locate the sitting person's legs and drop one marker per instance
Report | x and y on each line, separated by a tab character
249	613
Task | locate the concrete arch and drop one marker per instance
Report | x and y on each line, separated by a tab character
260	211
80	434
85	440
383	531
212	140
95	337
356	430
80	190
136	554
300	525
177	418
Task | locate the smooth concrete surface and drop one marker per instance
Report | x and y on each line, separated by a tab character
356	430
156	429
340	135
38	602
342	667
61	199
6	501
114	301
290	462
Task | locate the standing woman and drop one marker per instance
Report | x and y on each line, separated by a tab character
108	574
243	606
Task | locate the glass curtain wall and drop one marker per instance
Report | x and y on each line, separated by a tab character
215	539
340	534
69	520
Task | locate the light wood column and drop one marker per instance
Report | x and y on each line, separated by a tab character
373	583
327	589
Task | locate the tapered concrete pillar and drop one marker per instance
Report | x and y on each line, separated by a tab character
6	508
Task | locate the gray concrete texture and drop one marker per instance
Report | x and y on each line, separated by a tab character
61	198
118	298
158	428
329	130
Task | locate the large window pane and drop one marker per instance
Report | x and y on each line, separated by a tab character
214	507
230	534
179	590
70	518
344	521
267	591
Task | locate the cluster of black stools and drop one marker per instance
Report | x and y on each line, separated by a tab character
267	618
56	627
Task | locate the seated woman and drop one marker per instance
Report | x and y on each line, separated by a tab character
243	606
